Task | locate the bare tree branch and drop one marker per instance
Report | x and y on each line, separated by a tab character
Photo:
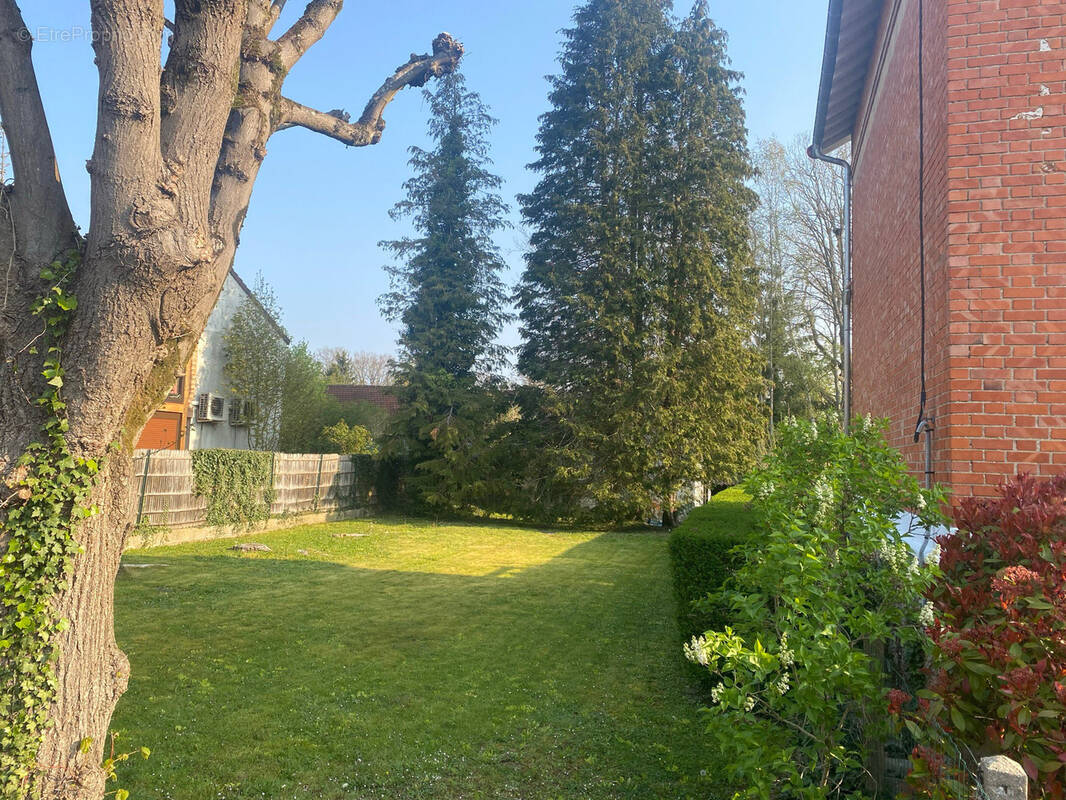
38	204
307	30
333	124
262	14
367	130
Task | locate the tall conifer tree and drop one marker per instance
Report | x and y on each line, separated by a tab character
638	298
450	301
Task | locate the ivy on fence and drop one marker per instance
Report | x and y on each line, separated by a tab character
236	485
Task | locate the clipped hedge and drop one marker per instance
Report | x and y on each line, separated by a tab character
702	558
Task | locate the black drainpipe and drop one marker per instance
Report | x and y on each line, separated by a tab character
924	424
815	152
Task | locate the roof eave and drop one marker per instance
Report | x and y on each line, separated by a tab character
851	36
281	332
825	86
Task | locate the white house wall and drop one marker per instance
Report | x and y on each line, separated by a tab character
210	374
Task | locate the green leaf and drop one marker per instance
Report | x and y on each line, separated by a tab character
957	719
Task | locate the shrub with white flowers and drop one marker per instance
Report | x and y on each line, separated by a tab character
827	574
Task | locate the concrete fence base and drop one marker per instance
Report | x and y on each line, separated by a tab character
197	533
1000	778
1003	779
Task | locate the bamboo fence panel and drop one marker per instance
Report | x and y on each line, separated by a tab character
164	489
164	492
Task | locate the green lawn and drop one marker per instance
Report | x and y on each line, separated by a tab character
417	661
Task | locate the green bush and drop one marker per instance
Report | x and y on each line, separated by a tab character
367	482
349	439
802	691
703	558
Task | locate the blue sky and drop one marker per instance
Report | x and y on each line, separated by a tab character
319	209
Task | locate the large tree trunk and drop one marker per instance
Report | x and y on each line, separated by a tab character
172	172
93	672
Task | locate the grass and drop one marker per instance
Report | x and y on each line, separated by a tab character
416	661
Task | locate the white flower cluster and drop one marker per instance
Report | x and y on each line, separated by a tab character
920	502
716	693
786	658
749	703
898	557
766	490
934	554
807	433
698	651
822	493
784	655
782	684
925	616
866	423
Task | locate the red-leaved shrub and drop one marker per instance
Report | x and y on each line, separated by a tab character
997	679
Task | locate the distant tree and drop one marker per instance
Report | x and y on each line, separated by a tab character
349	439
799	380
361	368
638	298
449	299
811	214
255	363
307	410
304	402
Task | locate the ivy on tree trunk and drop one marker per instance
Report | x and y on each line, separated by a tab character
177	149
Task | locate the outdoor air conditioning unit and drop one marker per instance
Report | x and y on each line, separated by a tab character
210	408
240	412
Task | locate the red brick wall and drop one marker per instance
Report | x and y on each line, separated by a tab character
886	299
995	233
1006	239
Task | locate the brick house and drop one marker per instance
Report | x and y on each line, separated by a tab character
981	162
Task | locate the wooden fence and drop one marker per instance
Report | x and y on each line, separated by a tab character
164	494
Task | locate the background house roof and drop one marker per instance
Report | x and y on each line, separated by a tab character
380	396
850	36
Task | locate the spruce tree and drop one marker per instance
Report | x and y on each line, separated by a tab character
638	298
450	301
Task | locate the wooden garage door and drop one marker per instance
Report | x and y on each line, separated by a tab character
163	432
